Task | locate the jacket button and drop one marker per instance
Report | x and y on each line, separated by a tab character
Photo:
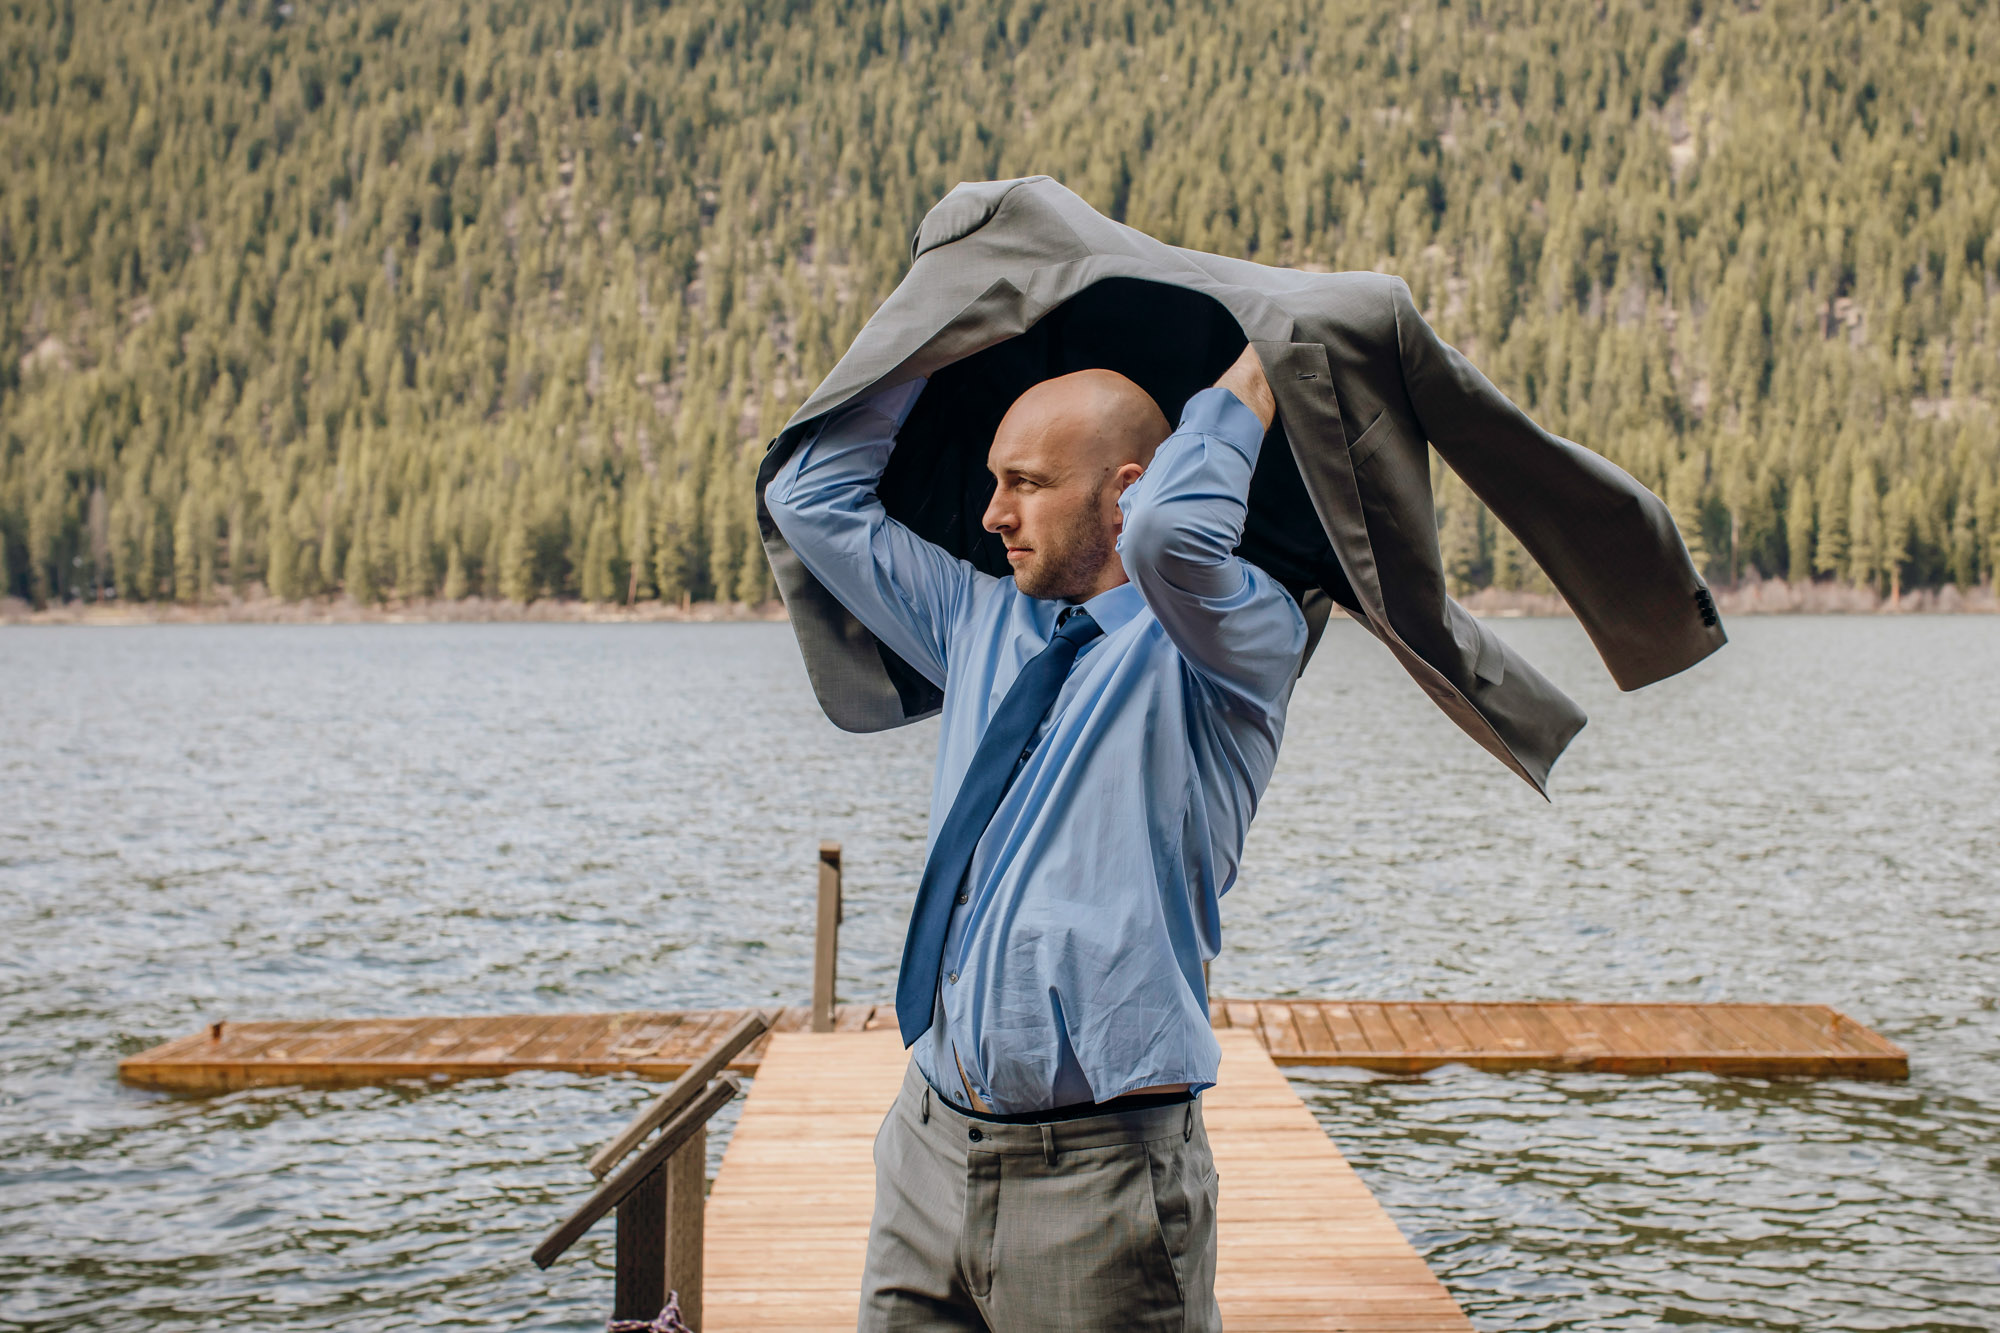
974	1135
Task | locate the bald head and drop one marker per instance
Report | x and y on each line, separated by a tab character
1063	454
1096	416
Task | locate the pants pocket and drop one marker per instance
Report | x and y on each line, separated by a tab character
1185	1201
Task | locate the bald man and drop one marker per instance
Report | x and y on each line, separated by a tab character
1111	716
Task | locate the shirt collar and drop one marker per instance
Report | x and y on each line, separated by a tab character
1112	607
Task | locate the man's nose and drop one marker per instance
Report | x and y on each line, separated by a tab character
995	518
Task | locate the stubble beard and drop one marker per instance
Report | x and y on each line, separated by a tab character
1069	566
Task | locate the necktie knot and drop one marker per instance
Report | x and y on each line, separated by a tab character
1075	627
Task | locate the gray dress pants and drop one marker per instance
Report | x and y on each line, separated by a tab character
1100	1223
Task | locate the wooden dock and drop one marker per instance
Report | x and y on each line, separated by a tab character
1754	1040
1301	1244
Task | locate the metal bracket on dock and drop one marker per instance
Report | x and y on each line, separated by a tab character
679	1093
661	1194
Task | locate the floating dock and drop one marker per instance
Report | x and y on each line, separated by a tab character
1301	1244
1750	1040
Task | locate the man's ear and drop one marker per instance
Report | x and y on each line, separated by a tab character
1126	474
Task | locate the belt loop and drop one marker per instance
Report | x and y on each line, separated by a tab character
927	1105
1187	1128
1049	1144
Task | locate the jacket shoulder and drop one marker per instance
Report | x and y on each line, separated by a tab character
1363	311
969	206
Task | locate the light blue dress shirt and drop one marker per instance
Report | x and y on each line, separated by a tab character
1072	966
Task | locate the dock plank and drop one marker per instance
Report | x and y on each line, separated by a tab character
1314	1034
1301	1244
1403	1036
1339	1019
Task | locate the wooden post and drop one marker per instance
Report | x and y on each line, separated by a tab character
660	1236
641	1288
687	1190
826	938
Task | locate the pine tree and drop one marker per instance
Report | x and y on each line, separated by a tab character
414	578
1864	526
1899	508
1461	537
329	551
753	571
359	582
1964	551
597	583
1684	489
517	560
281	572
239	555
673	566
1799	531
1836	503
1989	526
455	583
639	584
188	588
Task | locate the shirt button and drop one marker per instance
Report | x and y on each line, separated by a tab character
952	977
964	898
974	1135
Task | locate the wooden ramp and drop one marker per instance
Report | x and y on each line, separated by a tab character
1301	1244
1760	1040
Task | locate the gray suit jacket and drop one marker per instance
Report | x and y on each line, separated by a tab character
1016	281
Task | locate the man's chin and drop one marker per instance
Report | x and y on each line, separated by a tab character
1037	584
1031	582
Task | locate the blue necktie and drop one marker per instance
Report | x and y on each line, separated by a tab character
1000	752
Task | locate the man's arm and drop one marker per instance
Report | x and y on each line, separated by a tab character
907	591
1183	519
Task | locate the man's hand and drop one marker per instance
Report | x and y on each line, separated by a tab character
1246	380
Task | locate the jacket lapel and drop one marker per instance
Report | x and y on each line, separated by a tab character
1302	384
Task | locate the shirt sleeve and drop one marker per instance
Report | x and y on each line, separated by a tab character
905	590
1234	625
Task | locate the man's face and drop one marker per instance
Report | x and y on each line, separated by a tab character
1056	508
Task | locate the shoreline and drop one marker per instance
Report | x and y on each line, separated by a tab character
1752	598
260	610
1771	597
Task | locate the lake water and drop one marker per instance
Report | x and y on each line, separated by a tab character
263	822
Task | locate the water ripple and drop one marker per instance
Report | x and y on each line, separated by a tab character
237	822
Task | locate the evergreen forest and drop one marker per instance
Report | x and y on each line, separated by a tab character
505	298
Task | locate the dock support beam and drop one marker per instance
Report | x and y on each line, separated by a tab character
687	1190
641	1282
660	1237
826	937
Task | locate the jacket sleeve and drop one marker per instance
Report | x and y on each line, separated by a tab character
1607	543
906	591
1183	519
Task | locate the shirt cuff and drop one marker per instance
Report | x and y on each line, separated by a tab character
1219	412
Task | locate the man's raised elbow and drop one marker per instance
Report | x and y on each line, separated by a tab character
782	505
776	501
1156	537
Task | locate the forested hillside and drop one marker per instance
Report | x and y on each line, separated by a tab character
507	296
